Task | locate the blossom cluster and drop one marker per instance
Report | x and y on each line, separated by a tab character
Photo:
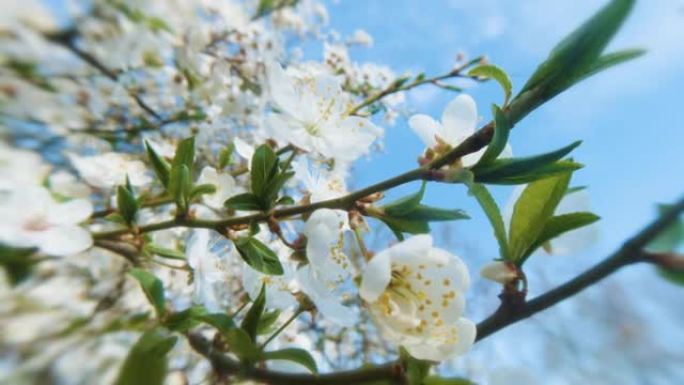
165	141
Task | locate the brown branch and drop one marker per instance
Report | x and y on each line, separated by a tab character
630	252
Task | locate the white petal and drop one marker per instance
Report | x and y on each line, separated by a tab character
426	128
412	250
327	302
71	212
376	276
64	241
459	119
197	247
499	271
244	149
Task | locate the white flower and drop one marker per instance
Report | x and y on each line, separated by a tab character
31	218
209	270
224	183
415	293
20	167
573	241
110	169
459	121
319	183
328	267
313	115
327	298
324	232
499	271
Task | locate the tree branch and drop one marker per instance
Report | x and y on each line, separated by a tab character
630	252
226	366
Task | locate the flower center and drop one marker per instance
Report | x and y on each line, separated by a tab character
36	223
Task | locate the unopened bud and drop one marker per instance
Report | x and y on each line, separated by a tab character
502	272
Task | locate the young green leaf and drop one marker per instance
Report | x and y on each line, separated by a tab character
436	380
250	323
435	214
611	60
532	212
490	71
244	201
406	204
672	275
264	169
185	320
267	320
180	186
502	128
226	155
559	167
240	344
400	226
559	225
127	204
511	167
491	209
161	167
202	189
220	321
299	356
153	289
258	256
416	370
185	153
146	363
671	238
575	55
164	252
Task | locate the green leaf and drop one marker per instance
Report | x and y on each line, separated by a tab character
226	155
560	167
185	153
202	189
491	209
272	189
240	344
16	262
490	71
436	380
244	201
250	323
669	239
267	320
185	320
163	252
127	204
222	322
146	363
153	288
577	54
399	226
258	256
180	186
161	167
511	167
264	169
612	59
299	356
416	370
406	204
502	127
532	211
674	276
285	200
559	225
435	214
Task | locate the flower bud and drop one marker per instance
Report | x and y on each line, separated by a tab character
502	272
